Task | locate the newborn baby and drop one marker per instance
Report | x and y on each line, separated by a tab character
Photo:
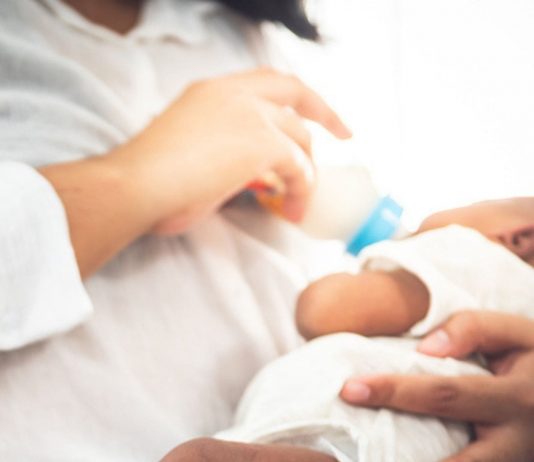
475	257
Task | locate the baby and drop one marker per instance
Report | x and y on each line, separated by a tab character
393	293
476	257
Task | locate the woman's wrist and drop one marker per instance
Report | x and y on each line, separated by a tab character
104	207
130	177
161	191
184	180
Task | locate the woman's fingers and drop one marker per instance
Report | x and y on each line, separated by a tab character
501	407
255	125
499	445
293	126
288	90
295	170
470	398
297	173
474	331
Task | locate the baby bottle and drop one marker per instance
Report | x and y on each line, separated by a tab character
347	205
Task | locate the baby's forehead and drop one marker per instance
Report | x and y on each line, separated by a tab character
491	217
459	214
521	206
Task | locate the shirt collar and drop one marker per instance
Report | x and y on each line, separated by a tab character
183	20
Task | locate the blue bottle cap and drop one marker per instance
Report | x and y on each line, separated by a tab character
380	225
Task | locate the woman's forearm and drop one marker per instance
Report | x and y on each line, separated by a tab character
206	146
105	211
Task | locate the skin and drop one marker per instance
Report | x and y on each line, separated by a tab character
500	407
169	177
370	303
112	200
509	222
118	15
211	450
389	303
216	138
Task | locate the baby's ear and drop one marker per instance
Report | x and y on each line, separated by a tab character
519	241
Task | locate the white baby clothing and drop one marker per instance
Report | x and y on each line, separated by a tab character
461	269
295	399
169	332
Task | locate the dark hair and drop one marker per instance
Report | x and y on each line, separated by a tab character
290	13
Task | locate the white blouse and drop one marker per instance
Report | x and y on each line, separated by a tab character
157	347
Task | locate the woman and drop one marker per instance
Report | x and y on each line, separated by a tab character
179	324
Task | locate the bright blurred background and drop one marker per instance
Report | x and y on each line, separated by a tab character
440	94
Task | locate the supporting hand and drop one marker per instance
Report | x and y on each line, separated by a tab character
501	407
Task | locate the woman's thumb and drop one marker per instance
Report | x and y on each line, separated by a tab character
468	332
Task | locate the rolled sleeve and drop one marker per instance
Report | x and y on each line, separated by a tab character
41	291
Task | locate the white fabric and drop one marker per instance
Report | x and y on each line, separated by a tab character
155	364
295	400
448	81
33	240
461	269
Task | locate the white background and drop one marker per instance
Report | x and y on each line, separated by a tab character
440	94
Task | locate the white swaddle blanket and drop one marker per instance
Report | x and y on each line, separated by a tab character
294	400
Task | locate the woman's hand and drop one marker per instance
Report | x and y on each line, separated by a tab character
220	135
501	407
211	450
209	144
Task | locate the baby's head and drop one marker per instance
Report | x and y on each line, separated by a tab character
509	222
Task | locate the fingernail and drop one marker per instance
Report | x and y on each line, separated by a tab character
345	131
437	343
356	392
